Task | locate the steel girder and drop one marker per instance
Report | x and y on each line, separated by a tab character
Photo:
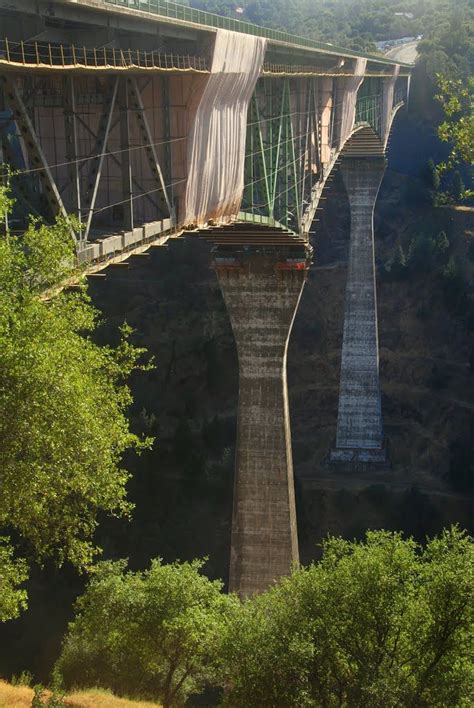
283	150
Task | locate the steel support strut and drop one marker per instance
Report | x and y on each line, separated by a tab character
100	148
35	152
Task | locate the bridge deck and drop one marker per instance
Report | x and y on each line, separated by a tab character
175	12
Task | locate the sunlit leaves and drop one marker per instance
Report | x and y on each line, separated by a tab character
63	400
457	99
12	574
154	633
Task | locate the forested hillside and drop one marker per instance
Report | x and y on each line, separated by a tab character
358	23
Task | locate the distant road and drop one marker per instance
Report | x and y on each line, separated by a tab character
406	53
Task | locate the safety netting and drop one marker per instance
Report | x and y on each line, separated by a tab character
349	100
216	145
387	106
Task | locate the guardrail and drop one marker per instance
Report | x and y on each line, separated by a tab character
53	55
176	11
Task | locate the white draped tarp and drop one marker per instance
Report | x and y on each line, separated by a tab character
216	141
349	100
387	106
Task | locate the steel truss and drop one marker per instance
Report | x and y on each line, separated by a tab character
286	142
283	150
49	191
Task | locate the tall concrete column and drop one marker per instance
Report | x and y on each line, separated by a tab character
262	296
359	424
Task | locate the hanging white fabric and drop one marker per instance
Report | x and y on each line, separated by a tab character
387	106
216	142
349	100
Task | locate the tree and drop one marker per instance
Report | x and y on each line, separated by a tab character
457	100
432	176
63	400
441	244
458	187
376	624
399	265
154	633
12	575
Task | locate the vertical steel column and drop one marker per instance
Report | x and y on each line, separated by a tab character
70	126
125	161
136	102
99	152
168	171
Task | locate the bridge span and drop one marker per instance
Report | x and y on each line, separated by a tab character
146	119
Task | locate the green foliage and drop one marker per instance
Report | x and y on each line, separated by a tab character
374	624
40	699
13	572
441	244
24	679
154	633
63	400
420	253
426	253
455	287
458	188
399	264
432	177
457	99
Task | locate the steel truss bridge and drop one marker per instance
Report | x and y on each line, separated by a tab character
95	112
108	112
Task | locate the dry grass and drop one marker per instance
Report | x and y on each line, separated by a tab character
95	698
21	697
14	695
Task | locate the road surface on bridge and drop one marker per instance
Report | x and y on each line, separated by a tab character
407	53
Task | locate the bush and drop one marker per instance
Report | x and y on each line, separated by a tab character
154	633
378	624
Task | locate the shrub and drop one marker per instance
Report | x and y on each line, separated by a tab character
378	624
153	633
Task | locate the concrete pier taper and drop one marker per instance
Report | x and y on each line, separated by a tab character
262	293
359	425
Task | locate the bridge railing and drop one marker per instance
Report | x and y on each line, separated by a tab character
62	55
201	17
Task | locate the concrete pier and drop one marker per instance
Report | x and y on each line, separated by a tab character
262	293
359	425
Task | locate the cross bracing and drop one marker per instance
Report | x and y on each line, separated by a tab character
102	131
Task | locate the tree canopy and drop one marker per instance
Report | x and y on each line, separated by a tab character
380	623
375	624
457	99
63	400
154	633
